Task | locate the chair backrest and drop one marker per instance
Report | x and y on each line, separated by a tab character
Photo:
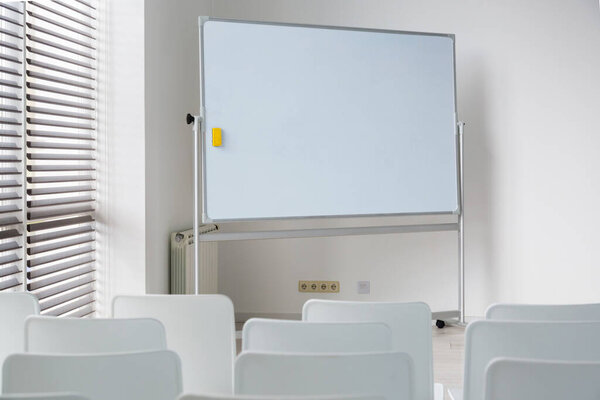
201	329
541	312
42	396
519	379
51	335
410	324
487	340
275	397
315	337
152	375
14	309
381	374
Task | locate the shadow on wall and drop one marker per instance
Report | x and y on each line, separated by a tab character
480	262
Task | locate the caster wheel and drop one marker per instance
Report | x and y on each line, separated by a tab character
440	324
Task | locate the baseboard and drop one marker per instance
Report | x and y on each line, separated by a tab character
243	317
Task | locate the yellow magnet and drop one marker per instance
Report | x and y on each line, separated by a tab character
217	137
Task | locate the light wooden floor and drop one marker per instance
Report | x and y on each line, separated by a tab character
448	356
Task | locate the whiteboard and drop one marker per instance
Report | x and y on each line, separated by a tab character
320	121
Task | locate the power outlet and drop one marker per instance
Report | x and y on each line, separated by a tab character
319	286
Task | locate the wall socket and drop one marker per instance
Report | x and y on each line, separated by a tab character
319	286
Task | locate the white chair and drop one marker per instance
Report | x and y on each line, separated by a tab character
519	379
411	330
51	335
201	329
14	308
250	397
151	375
487	340
43	396
282	336
540	312
381	374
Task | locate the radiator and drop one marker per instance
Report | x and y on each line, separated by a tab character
182	262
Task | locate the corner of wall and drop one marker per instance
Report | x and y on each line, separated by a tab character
125	218
171	91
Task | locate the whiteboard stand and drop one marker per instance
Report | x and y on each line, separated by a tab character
441	317
325	33
195	120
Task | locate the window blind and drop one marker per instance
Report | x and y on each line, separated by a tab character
57	141
11	145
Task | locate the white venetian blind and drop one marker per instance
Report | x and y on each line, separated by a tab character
53	118
11	145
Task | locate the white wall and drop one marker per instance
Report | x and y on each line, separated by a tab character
122	181
172	85
152	84
529	89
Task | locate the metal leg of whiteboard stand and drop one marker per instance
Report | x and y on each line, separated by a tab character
448	317
195	120
461	231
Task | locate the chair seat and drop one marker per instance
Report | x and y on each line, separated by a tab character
543	312
147	375
557	341
382	374
270	335
531	379
42	396
200	328
50	335
278	397
410	324
14	309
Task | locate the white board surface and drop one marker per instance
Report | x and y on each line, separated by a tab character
327	122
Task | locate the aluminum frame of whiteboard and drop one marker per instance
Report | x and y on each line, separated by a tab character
206	219
200	129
